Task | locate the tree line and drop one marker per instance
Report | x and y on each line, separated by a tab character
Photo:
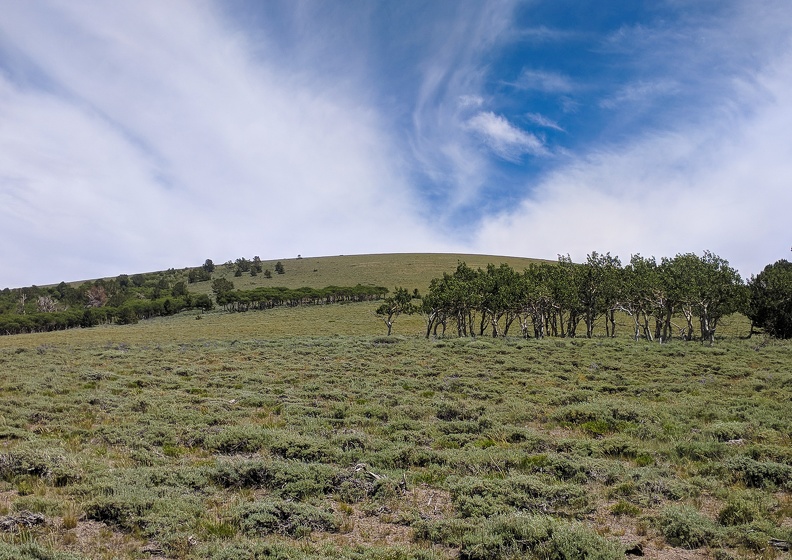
270	297
685	296
121	300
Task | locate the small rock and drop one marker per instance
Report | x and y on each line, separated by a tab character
152	548
23	519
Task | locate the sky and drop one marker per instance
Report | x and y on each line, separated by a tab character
146	135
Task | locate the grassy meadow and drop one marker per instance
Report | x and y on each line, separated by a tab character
304	433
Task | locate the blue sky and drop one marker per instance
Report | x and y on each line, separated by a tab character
138	136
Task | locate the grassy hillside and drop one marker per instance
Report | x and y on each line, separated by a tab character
410	270
300	433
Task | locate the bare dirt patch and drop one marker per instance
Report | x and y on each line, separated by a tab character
388	523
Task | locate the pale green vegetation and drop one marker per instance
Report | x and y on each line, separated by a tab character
300	433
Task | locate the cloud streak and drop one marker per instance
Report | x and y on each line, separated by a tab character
169	132
505	139
723	187
140	136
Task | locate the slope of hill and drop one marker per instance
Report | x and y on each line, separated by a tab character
410	270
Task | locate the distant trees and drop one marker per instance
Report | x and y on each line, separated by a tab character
393	306
769	302
686	296
96	296
220	287
46	304
268	298
199	275
553	299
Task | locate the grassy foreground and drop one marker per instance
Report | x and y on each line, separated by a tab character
234	437
300	433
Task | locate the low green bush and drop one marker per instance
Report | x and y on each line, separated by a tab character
237	439
122	507
33	551
40	459
737	512
625	508
519	536
760	474
481	497
726	431
256	549
287	479
293	519
291	445
684	526
700	450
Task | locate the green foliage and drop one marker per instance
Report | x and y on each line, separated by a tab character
393	306
770	299
170	432
221	286
199	274
760	474
279	517
476	497
686	527
33	551
737	511
625	508
520	536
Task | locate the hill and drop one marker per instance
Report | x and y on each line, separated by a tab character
410	270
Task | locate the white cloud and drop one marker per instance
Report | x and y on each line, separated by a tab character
161	143
720	185
640	92
543	121
470	101
505	139
549	82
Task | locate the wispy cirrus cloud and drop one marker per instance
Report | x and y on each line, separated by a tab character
713	175
545	81
158	141
640	92
505	139
149	135
541	120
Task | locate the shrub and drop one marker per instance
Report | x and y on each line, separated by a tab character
760	474
725	431
36	459
288	479
737	512
684	526
477	497
700	450
303	448
520	536
237	439
124	507
625	508
291	519
449	411
32	551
